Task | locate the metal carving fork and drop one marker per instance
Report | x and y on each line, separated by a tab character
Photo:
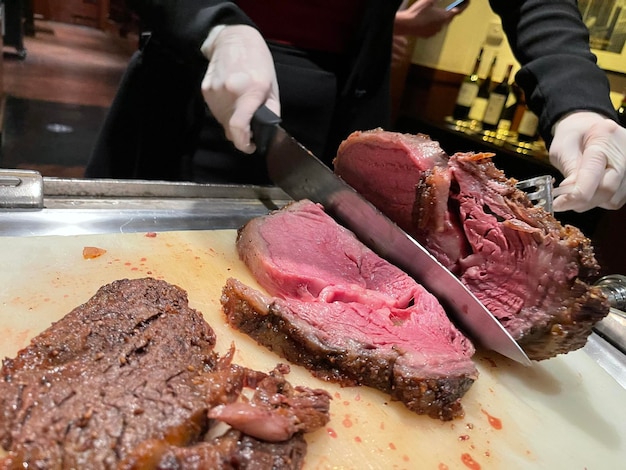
539	191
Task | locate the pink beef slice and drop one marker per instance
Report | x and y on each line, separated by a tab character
349	316
529	270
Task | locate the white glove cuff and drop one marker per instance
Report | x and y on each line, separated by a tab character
207	46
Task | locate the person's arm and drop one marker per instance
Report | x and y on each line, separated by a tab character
182	27
220	41
558	71
569	92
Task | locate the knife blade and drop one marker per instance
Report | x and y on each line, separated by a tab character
302	175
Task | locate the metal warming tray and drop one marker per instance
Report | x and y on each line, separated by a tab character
56	206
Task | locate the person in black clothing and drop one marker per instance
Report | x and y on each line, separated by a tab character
331	60
326	72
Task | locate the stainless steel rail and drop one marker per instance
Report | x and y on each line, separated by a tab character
75	206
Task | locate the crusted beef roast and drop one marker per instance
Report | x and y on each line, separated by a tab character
132	372
345	313
527	268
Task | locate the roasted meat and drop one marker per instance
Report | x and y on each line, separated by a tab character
529	270
131	371
339	309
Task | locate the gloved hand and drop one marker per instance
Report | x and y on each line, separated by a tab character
590	151
239	79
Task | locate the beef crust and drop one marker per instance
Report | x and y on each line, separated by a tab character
233	450
131	336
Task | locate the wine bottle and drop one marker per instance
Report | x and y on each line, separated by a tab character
496	101
527	130
468	91
520	109
621	111
507	121
477	111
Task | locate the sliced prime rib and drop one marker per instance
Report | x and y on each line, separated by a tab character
346	314
133	369
529	270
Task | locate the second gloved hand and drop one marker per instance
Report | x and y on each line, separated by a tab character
239	79
590	151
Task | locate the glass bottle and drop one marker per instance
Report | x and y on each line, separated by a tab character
468	91
497	100
528	125
508	122
621	111
477	111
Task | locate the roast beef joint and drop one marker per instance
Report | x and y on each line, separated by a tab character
533	273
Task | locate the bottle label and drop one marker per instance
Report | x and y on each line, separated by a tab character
528	124
467	94
477	111
495	105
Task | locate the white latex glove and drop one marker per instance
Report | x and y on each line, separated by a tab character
239	79
590	151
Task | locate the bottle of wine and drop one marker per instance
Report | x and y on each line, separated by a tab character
527	130
468	91
496	101
507	121
520	109
621	111
477	111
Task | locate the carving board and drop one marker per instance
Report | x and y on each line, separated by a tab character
566	412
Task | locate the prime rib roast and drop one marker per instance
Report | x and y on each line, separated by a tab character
346	314
130	380
529	270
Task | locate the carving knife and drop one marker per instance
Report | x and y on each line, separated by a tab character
303	176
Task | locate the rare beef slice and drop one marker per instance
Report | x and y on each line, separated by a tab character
529	270
130	380
346	314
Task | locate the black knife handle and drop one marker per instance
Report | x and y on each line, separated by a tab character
263	125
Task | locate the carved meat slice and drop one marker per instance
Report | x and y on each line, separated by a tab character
345	313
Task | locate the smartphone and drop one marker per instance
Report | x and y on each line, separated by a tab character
454	4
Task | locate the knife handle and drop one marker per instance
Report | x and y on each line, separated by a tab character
263	125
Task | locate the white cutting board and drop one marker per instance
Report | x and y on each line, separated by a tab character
565	413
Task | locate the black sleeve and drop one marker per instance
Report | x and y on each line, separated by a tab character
559	73
181	26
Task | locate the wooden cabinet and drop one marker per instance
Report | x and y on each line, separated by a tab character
94	13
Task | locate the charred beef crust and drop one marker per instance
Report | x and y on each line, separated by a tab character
233	450
113	372
271	323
